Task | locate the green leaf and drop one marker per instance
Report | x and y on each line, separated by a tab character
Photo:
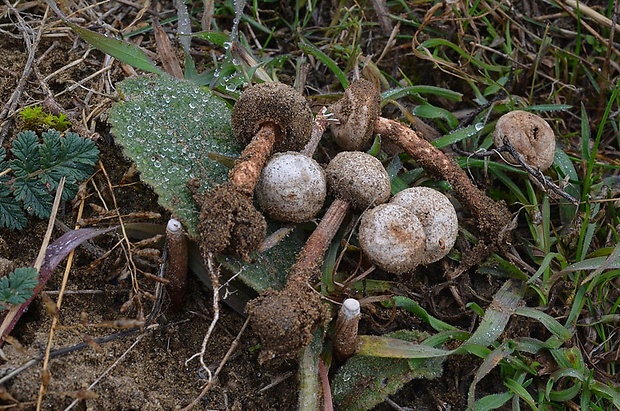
168	127
71	156
35	196
549	322
11	214
415	308
396	93
457	135
498	313
312	50
18	286
489	363
26	151
366	381
123	51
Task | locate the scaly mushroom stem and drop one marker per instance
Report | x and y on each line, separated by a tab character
492	218
285	320
248	167
177	263
311	256
345	335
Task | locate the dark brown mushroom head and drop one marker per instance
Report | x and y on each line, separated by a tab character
274	103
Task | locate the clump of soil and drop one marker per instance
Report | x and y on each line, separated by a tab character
229	222
286	319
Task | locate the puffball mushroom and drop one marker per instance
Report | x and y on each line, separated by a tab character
291	188
358	178
392	237
357	112
530	135
266	116
438	218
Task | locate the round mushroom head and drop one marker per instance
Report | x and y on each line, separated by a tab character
529	134
358	178
438	218
357	112
291	188
276	103
392	238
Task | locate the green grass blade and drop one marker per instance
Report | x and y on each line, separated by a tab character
520	390
378	346
489	363
313	50
396	93
493	401
123	51
497	315
457	135
415	308
549	322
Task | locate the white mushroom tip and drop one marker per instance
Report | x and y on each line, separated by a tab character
350	308
174	225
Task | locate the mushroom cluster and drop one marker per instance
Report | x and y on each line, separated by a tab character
417	226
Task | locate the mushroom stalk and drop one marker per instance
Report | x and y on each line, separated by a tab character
311	256
248	167
267	117
345	335
177	263
285	320
492	217
321	121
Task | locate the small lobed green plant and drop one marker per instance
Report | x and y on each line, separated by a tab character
30	177
34	118
17	287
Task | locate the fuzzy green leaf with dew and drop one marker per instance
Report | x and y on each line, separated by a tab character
168	127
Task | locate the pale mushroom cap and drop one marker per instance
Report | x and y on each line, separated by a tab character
438	218
357	113
358	178
291	188
392	238
529	134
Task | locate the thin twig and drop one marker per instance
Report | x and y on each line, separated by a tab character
211	383
65	278
214	273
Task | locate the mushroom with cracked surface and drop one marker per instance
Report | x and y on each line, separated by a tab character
292	186
530	135
358	178
267	117
438	218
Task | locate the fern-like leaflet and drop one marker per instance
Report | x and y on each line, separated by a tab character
17	287
37	166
